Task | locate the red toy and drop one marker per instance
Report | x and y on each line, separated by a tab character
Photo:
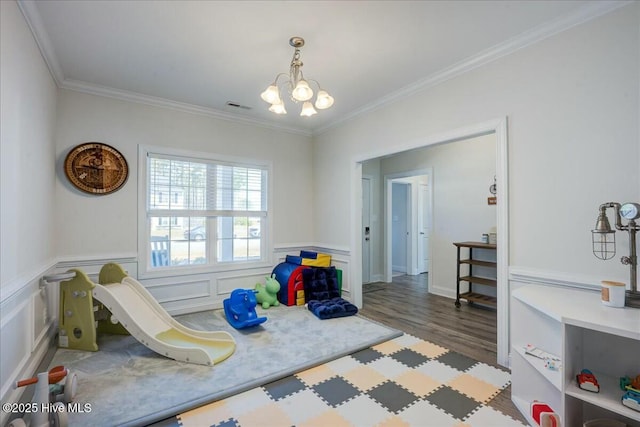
544	415
587	381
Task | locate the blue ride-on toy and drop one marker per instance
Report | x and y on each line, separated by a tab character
240	309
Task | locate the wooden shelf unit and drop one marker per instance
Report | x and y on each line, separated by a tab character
472	295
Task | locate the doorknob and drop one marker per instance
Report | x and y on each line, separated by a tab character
422	232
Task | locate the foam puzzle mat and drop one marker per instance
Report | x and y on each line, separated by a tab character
402	382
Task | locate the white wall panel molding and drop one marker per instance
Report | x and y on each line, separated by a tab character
91	267
80	262
14	287
291	247
228	282
189	289
331	249
545	277
26	331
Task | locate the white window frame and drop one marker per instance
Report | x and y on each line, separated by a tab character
144	242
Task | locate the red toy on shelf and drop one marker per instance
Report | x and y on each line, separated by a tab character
544	415
587	381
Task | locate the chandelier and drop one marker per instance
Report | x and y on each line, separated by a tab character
297	87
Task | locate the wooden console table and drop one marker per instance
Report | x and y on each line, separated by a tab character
472	296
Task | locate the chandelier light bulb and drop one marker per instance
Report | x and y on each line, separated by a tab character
302	91
278	108
323	100
308	110
271	94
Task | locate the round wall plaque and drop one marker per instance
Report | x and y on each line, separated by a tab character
96	168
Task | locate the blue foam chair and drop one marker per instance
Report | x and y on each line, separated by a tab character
240	309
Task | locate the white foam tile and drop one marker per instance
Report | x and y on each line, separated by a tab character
491	375
303	405
343	365
439	371
406	340
254	398
363	411
388	367
422	413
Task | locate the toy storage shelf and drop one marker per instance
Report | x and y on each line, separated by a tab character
574	325
608	398
473	295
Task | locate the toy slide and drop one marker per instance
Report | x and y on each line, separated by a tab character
139	312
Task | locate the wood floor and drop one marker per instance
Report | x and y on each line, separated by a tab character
405	304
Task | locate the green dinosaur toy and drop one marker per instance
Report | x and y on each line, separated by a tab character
267	295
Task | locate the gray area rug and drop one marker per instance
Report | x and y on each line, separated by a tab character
125	383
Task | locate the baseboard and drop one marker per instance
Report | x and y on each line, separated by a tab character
443	292
377	278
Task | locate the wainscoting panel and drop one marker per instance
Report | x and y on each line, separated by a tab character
40	316
16	343
92	267
26	331
189	289
227	283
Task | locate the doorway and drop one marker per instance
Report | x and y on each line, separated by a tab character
408	191
400	220
497	129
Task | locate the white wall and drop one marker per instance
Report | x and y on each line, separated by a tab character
572	104
101	226
94	229
28	119
462	174
27	196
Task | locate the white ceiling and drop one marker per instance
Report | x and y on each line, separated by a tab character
200	54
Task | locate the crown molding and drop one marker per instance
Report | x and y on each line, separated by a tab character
591	11
34	21
130	96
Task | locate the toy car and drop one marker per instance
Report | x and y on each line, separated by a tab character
631	399
587	381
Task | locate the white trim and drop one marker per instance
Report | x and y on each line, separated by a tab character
545	277
591	11
154	101
85	261
388	181
497	126
10	289
318	247
34	21
502	251
144	214
370	179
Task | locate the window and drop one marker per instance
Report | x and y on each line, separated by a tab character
215	212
